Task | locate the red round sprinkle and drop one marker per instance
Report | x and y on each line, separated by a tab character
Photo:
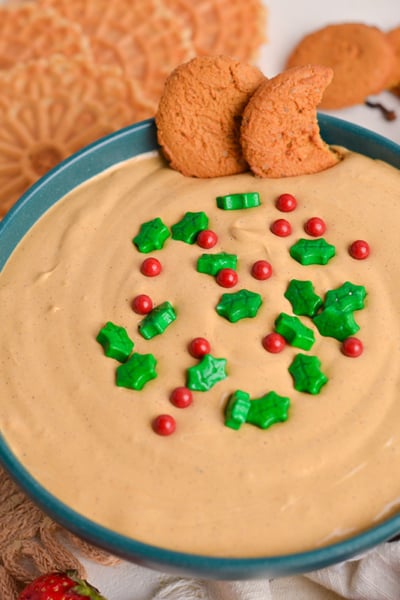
164	425
199	347
315	227
352	347
207	239
151	267
181	397
261	269
274	342
281	227
142	304
359	249
227	278
286	203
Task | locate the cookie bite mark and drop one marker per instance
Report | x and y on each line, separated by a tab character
280	134
199	115
360	55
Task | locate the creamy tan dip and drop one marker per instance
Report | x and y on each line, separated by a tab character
330	470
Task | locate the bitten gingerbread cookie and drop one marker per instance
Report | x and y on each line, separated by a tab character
280	134
199	115
360	55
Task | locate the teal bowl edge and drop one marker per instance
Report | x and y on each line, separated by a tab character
122	145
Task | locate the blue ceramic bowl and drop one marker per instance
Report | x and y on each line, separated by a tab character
92	160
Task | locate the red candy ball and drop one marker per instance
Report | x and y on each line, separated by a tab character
227	278
142	304
261	269
352	347
315	227
181	397
359	250
281	228
274	342
199	347
164	425
151	267
286	203
207	239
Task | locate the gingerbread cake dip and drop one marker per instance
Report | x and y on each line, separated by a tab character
220	484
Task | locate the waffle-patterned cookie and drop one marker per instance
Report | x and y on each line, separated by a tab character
51	108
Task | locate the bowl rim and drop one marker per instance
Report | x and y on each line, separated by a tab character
124	144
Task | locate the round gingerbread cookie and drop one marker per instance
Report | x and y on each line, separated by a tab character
280	134
360	55
199	115
394	40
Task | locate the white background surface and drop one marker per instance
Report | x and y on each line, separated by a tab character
288	21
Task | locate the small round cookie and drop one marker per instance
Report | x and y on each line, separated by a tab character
199	115
360	55
394	40
280	134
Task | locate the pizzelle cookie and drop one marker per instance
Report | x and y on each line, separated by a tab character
360	55
142	38
27	33
199	114
50	108
280	134
233	28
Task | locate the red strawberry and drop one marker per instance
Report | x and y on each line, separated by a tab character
60	586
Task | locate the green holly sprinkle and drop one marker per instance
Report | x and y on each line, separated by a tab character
237	409
137	371
294	331
307	374
312	252
267	410
152	236
239	201
239	305
115	341
187	229
303	298
347	297
335	323
209	371
211	264
157	320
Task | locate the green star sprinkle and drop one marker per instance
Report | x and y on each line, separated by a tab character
312	252
137	371
303	298
267	410
294	331
206	373
239	305
152	236
211	264
335	323
307	374
237	409
157	320
115	341
187	229
238	201
347	297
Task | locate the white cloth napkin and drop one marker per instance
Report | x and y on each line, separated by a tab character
374	576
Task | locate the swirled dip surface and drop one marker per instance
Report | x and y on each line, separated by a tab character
330	470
